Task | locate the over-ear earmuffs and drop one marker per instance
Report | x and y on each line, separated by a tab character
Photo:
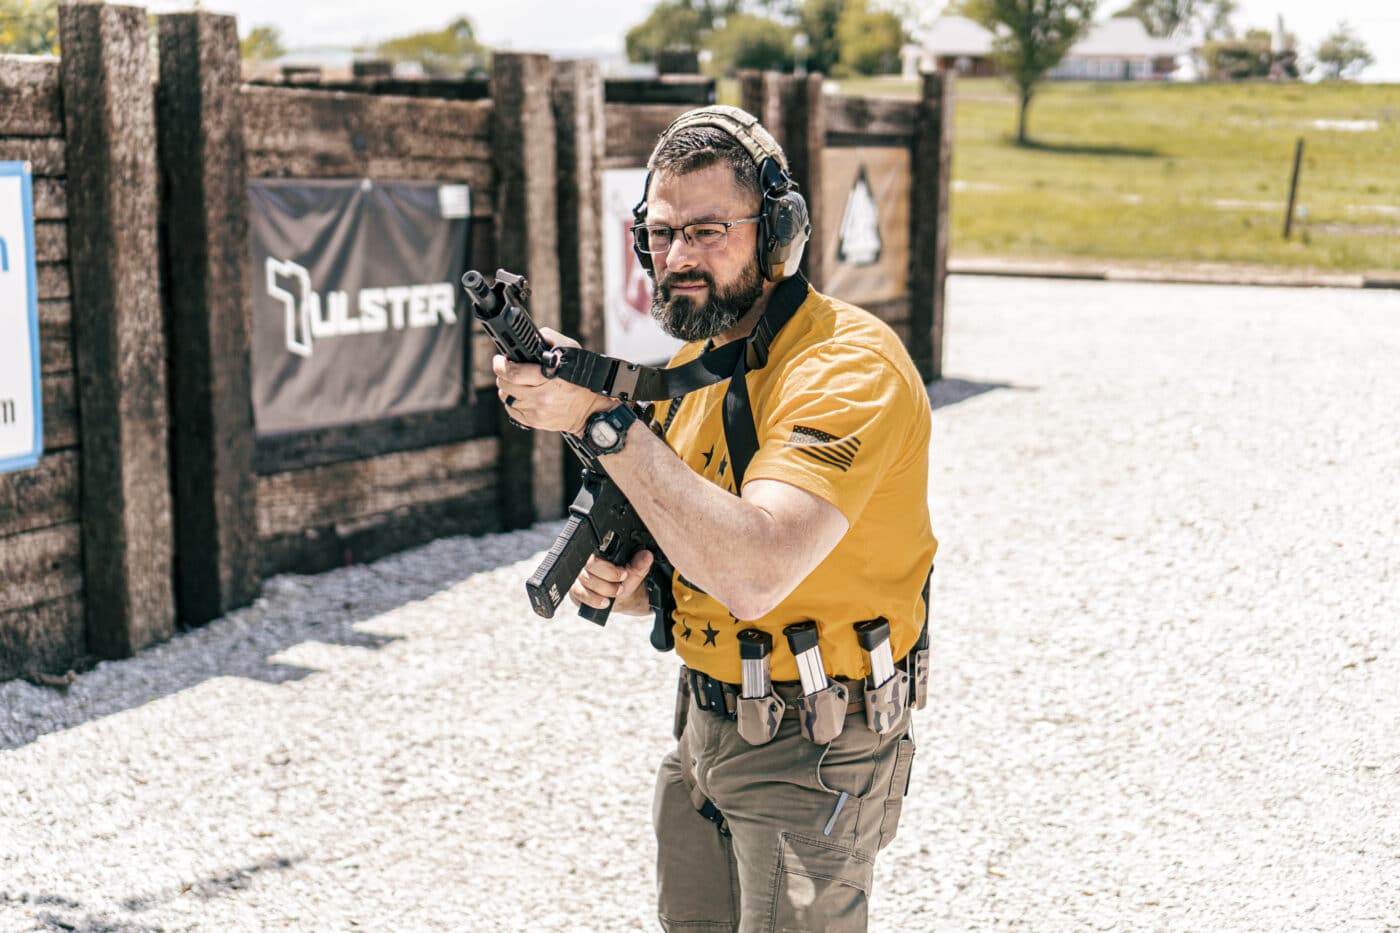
784	224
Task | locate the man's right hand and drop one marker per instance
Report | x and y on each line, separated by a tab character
602	580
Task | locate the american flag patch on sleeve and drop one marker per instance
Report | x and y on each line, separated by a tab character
839	452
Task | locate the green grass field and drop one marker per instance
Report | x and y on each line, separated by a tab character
1176	173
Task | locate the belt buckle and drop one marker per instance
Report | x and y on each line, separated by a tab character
708	693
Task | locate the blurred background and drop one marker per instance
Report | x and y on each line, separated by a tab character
1150	132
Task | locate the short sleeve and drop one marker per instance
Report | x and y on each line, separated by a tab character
834	422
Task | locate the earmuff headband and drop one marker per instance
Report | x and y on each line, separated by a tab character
740	124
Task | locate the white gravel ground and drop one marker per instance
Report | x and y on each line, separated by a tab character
1167	681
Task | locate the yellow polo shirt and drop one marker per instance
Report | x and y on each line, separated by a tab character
840	412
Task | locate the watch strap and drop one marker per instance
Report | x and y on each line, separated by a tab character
620	417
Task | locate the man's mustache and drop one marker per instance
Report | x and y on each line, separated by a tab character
672	281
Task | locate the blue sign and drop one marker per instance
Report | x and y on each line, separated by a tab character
21	398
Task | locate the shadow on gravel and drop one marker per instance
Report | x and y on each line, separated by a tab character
292	609
944	392
219	885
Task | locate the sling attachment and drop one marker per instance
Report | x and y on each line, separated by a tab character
627	381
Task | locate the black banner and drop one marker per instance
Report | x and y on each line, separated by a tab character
357	314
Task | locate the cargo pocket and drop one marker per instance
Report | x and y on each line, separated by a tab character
899	788
821	887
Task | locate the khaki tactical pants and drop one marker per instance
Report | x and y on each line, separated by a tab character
776	869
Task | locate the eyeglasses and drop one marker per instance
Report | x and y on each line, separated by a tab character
711	234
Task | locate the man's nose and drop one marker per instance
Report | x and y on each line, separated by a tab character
681	255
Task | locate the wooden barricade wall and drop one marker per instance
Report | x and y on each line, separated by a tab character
322	498
41	599
352	493
85	540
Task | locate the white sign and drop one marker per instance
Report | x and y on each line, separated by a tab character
629	330
21	414
858	241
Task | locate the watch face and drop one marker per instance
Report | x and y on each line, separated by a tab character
603	434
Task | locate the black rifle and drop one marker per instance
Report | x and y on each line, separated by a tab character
601	520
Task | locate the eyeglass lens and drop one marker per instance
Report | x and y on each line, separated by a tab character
657	238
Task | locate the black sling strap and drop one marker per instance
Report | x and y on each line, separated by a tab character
740	434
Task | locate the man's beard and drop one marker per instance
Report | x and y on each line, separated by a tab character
679	316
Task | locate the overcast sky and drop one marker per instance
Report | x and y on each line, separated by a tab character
598	25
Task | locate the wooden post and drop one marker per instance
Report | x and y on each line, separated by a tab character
206	237
928	223
531	463
1293	189
803	138
752	92
579	122
578	119
793	109
109	120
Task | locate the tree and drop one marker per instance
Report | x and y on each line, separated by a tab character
869	40
262	44
1162	18
29	27
452	50
1342	54
1215	18
668	25
682	24
1033	36
1239	59
746	40
819	20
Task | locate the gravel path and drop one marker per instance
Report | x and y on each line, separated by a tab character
1167	681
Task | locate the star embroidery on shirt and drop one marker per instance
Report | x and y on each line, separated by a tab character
723	462
685	631
709	455
710	634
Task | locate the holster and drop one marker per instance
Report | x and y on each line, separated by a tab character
682	704
760	717
885	704
919	664
822	715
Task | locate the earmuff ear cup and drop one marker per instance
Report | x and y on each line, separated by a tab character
639	216
784	225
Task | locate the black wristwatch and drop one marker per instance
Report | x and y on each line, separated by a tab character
605	432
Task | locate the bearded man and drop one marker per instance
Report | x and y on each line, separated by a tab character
802	553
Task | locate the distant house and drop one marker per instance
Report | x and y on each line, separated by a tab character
951	43
1118	49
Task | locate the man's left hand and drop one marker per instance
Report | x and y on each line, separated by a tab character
539	402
